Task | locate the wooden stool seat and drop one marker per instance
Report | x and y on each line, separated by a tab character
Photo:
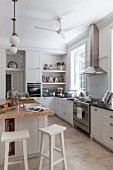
14	136
51	131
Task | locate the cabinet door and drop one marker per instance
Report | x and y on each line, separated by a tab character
70	112
49	102
57	106
33	76
2	129
103	42
31	124
2	57
2	84
96	123
32	60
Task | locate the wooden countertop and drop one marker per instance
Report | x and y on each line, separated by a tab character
21	113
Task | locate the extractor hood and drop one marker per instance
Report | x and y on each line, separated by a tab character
94	52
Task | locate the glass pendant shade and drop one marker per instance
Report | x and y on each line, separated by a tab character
14	40
13	49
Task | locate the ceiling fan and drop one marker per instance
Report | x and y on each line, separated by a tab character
61	31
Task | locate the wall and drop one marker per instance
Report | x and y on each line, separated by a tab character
97	84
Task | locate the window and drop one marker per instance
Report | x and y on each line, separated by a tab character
112	60
78	66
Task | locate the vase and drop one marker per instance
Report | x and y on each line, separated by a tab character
61	67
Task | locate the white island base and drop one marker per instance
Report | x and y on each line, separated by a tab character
33	143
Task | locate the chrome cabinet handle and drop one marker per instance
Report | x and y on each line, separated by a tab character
111	116
111	138
95	109
64	113
111	124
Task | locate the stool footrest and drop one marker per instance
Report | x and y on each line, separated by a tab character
45	156
58	161
15	162
57	149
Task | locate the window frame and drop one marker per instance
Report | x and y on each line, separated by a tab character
78	49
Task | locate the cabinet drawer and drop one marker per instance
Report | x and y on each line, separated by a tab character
107	137
64	102
107	122
107	114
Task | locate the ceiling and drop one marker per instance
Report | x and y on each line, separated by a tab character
31	13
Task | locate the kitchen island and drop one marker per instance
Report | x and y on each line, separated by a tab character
20	119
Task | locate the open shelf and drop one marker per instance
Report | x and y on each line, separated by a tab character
54	71
14	69
53	83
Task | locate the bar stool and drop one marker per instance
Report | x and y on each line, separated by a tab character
51	131
14	136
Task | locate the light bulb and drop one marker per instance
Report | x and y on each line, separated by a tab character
13	49
14	40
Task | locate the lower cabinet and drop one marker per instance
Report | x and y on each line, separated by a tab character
102	126
32	124
49	102
96	123
33	75
64	109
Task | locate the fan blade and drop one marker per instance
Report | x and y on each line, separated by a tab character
47	29
63	36
61	33
73	27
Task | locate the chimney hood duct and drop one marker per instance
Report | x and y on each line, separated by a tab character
94	52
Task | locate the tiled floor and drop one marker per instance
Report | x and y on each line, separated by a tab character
81	152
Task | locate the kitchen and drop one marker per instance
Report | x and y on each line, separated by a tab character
33	56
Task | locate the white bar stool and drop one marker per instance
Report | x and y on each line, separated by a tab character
13	136
51	131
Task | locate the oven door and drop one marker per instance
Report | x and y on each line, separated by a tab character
34	89
85	114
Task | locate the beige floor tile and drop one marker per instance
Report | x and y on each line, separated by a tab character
81	152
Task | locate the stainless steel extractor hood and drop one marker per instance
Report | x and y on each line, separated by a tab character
94	52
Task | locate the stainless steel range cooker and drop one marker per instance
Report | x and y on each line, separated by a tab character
81	115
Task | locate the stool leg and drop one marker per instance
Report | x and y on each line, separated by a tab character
51	145
6	155
63	150
41	150
25	154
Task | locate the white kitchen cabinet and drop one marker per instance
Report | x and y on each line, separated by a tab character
57	106
49	102
96	123
32	60
2	73
102	126
32	124
33	76
2	127
64	109
32	65
107	128
103	42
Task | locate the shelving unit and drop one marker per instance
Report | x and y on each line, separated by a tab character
54	83
14	69
54	71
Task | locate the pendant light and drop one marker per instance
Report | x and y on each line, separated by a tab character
14	40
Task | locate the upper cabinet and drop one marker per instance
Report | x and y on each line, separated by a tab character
103	42
2	73
32	60
2	58
33	73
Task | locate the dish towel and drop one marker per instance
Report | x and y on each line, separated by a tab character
79	113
